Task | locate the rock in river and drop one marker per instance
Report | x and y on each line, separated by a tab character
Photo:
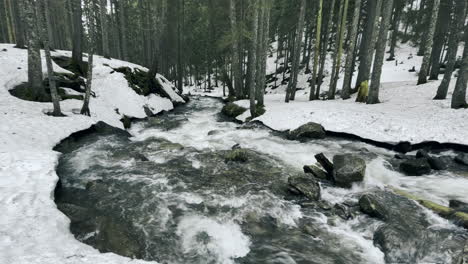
306	186
310	130
415	167
348	169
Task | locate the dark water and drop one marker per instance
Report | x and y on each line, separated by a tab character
168	194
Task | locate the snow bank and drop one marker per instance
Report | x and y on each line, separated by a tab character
169	89
32	229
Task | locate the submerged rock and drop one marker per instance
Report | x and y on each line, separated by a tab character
458	205
233	110
306	186
348	169
310	130
237	155
437	163
415	167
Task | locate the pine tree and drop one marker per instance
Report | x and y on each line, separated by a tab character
19	29
104	29
456	26
291	90
373	97
440	34
424	71
459	93
346	90
77	51
316	50
253	56
338	50
91	46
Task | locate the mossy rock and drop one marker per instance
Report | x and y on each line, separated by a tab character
237	155
233	110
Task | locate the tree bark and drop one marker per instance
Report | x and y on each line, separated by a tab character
424	71
346	90
456	26
17	7
253	57
459	93
373	97
77	51
291	90
440	34
91	46
104	29
316	51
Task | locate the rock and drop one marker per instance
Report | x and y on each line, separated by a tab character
403	147
422	154
415	167
348	169
402	156
342	211
307	131
325	162
306	186
213	132
462	158
126	121
370	205
237	155
437	163
74	212
316	171
233	110
458	206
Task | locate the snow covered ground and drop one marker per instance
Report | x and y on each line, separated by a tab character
32	229
407	111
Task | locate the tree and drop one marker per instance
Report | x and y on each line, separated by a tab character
91	46
77	52
253	57
36	88
399	5
456	25
373	97
237	68
263	56
424	71
338	50
443	19
44	16
316	51
291	90
346	90
459	93
104	29
17	7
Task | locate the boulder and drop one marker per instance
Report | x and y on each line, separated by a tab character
370	205
307	131
306	186
462	159
403	147
233	110
316	172
458	206
422	154
348	169
415	167
437	163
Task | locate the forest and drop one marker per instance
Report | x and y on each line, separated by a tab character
233	131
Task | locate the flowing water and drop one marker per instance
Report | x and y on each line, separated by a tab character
173	198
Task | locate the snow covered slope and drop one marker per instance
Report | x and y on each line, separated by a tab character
32	229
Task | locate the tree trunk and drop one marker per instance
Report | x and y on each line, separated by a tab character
261	22
373	97
346	90
253	57
316	51
399	5
339	49
34	53
17	7
104	29
291	90
459	93
366	52
454	37
77	52
237	67
429	36
45	24
440	34
180	35
91	46
266	44
323	53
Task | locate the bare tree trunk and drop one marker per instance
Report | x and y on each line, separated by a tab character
316	51
380	53
264	55
459	93
17	7
399	5
424	71
104	29
291	90
77	51
91	46
237	67
440	35
253	57
34	53
346	90
45	24
339	49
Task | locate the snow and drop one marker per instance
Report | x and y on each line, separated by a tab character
169	88
406	112
32	229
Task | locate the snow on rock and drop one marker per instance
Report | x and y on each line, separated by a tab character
169	89
32	229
